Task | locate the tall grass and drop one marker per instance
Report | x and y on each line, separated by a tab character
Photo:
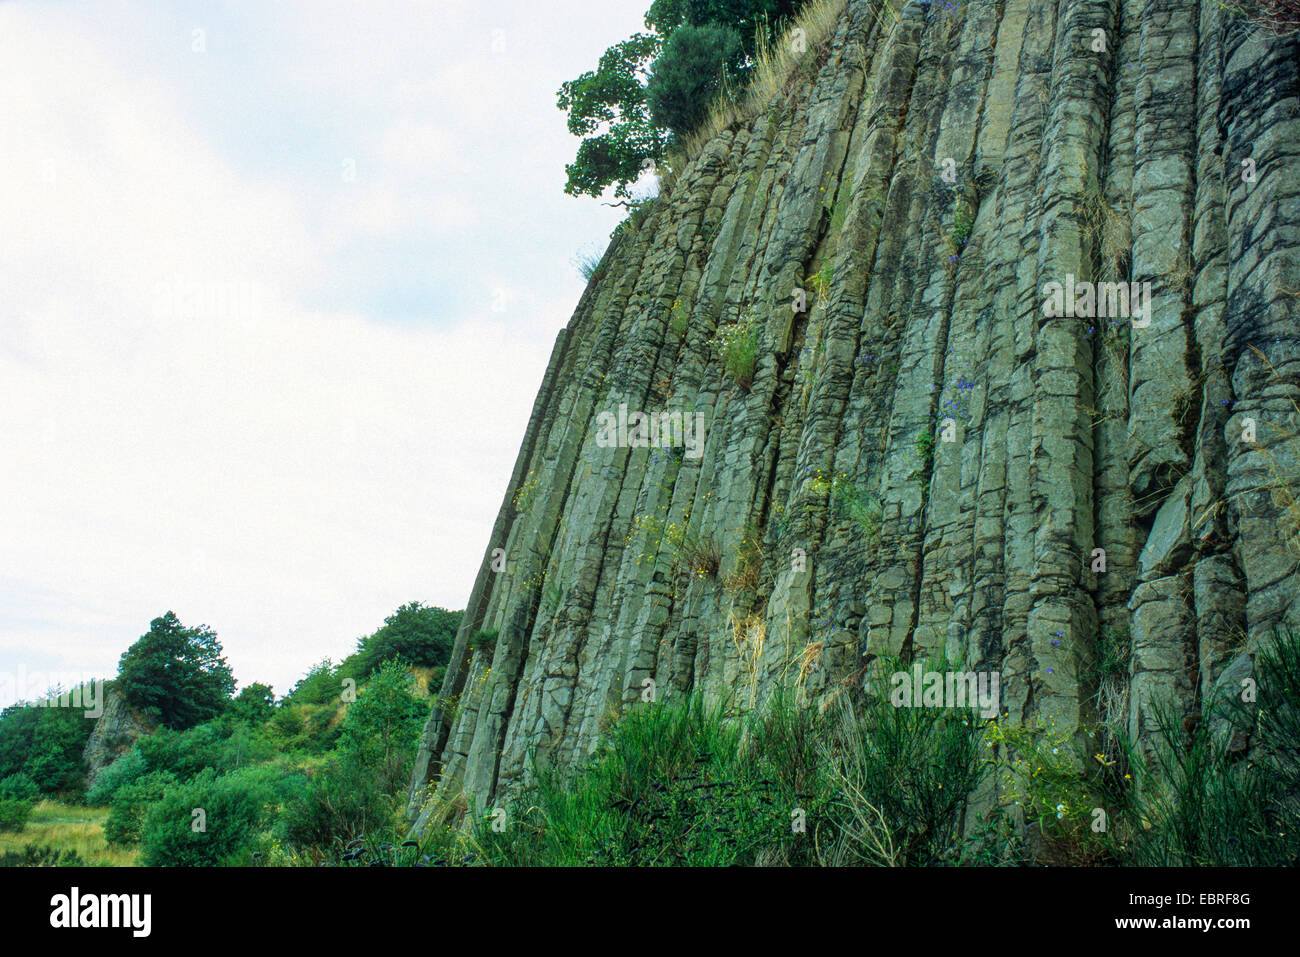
65	828
1204	799
682	783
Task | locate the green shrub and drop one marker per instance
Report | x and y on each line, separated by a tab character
1201	801
899	780
695	64
126	815
183	753
677	784
177	835
41	855
14	814
128	768
18	787
342	802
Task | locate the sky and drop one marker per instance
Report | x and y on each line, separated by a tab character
278	285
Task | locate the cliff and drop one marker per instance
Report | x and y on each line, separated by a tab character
933	454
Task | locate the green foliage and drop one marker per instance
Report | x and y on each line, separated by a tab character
254	704
232	809
737	345
419	635
340	803
359	788
18	787
696	63
44	743
126	814
899	778
607	107
862	509
321	684
14	814
676	785
1204	802
183	753
382	728
41	855
128	768
176	674
1058	784
610	107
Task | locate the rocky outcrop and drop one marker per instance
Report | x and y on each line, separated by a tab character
116	730
936	456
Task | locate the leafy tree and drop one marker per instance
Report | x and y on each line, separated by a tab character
319	685
693	67
177	674
54	759
381	729
419	635
254	704
610	109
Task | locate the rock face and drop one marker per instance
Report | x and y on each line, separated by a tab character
116	730
934	456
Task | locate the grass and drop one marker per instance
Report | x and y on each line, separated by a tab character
64	828
685	783
749	563
737	345
587	264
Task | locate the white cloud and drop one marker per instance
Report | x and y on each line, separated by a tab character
290	475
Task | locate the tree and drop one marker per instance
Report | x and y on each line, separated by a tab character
609	107
254	704
695	63
420	635
382	727
176	674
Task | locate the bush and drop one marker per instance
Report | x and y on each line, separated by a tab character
128	768
737	344
695	63
183	753
418	635
341	803
899	779
678	784
176	836
41	855
126	816
14	814
18	787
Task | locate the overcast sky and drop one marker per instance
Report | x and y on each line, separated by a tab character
278	284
